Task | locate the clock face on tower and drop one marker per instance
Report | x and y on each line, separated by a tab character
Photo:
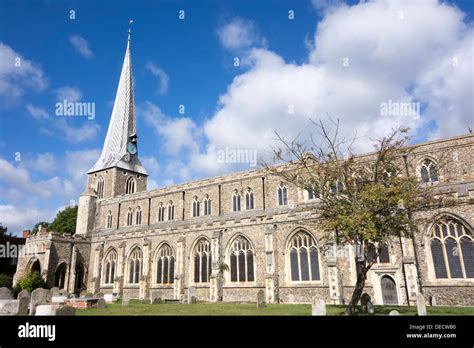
132	148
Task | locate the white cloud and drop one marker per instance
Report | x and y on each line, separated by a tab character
240	34
18	74
71	94
61	128
81	45
37	112
151	164
44	163
163	77
19	218
77	164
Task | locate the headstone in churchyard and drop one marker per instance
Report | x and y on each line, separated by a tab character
23	303
394	312
432	300
24	293
55	291
99	295
156	300
291	298
318	307
420	304
6	294
101	303
87	295
39	296
55	309
14	307
192	295
125	302
370	307
260	299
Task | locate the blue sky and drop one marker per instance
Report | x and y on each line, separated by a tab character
403	51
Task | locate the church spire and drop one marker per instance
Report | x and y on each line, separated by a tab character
120	143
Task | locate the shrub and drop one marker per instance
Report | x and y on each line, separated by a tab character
31	281
5	280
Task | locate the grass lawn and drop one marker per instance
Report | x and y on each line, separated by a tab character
137	308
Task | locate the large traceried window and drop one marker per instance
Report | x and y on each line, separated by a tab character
236	201
383	256
429	171
202	261
109	219
138	216
207	206
165	265
135	265
196	207
170	211
304	258
241	261
129	217
452	249
130	185
100	187
110	267
249	199
161	212
282	195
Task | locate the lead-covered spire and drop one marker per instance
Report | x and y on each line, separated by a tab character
122	126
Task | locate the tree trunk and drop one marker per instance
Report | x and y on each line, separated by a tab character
359	287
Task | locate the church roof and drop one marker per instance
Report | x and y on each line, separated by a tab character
122	125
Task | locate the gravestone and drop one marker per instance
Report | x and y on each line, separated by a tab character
55	309
109	298
291	298
101	303
55	291
432	300
394	312
39	296
370	307
318	307
24	293
6	294
192	295
87	295
125	302
261	299
58	299
99	295
14	307
420	304
156	300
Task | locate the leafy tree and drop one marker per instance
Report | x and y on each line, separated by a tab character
3	230
30	281
42	223
65	221
366	200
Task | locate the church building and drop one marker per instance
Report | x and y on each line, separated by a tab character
230	236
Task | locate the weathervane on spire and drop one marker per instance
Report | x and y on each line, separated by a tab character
129	28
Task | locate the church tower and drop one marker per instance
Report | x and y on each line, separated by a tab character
118	170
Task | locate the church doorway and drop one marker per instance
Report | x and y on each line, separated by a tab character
79	284
389	290
36	267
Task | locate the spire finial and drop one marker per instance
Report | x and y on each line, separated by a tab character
129	28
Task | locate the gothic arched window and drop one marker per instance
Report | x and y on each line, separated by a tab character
130	186
110	267
165	265
236	200
135	266
241	261
249	199
100	187
304	258
202	261
196	207
207	206
129	217
282	195
109	219
428	171
170	211
312	193
383	256
138	216
161	212
452	249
